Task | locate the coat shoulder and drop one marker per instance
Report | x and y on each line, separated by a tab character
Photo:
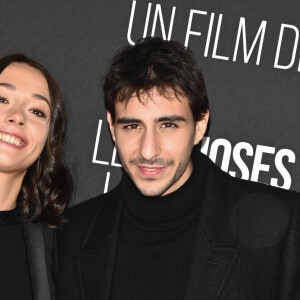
83	212
264	214
267	197
251	213
80	218
246	186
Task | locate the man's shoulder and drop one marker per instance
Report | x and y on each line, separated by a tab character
252	206
89	207
226	184
259	215
245	188
86	207
81	216
264	213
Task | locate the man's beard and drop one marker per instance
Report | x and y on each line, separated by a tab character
160	190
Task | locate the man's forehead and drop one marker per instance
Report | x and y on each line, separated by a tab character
154	93
151	103
153	108
153	96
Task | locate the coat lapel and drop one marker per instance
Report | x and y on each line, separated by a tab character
37	261
214	250
210	268
97	259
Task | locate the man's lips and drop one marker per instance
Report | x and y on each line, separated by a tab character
150	170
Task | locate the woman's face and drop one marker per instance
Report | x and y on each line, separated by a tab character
24	116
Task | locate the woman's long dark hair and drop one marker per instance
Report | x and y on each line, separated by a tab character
46	186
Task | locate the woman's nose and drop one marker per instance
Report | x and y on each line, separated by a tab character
16	116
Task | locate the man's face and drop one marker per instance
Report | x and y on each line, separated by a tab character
155	139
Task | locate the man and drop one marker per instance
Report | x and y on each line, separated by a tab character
176	227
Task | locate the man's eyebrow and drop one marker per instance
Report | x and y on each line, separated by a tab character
40	97
8	86
171	118
126	120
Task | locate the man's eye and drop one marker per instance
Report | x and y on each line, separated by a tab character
169	125
38	113
131	126
3	100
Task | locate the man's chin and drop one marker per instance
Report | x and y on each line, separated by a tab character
152	191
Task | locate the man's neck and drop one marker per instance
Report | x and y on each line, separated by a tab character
173	206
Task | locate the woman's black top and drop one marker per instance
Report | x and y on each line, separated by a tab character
14	269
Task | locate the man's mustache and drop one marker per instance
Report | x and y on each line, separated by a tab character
155	161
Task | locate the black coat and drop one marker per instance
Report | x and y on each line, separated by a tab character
39	242
247	244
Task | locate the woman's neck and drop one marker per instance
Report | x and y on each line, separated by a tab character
9	189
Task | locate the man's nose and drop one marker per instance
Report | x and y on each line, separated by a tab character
150	145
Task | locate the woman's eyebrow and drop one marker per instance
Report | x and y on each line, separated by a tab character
40	97
34	95
8	86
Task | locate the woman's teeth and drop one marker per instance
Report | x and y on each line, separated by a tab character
10	139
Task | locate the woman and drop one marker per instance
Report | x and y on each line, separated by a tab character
34	181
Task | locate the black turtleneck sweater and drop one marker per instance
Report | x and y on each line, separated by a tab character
155	240
14	271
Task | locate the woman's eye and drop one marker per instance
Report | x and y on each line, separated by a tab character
38	113
3	100
169	125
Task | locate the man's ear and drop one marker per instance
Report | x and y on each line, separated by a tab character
111	125
201	128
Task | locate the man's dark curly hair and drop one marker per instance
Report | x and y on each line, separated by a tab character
155	63
47	184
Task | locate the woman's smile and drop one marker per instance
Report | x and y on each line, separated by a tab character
12	139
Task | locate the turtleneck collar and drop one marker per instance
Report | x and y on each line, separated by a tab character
172	209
